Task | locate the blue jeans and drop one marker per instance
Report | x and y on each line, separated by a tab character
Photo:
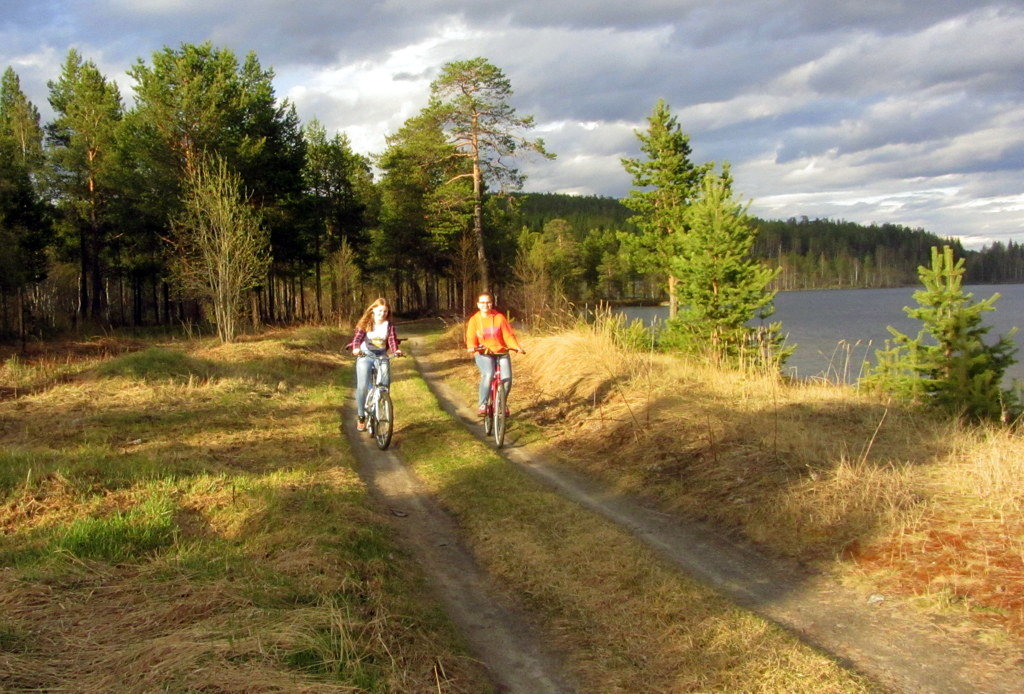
364	365
485	362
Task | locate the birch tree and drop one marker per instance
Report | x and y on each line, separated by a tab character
19	121
221	247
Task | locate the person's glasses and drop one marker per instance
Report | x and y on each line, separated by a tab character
484	303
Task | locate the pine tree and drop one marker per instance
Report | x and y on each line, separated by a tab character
470	101
425	207
336	181
84	155
948	365
667	182
722	287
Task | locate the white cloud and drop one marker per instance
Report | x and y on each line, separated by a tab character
896	111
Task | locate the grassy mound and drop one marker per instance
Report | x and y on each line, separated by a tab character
156	363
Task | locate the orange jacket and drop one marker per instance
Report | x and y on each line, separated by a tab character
492	332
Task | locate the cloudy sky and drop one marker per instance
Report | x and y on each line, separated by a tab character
904	111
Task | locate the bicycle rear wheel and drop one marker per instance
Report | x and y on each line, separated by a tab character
499	416
384	420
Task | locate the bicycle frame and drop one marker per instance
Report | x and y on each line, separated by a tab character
494	419
377	367
378	406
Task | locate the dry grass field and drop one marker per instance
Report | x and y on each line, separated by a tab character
909	503
184	517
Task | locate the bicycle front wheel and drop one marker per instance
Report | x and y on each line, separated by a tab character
488	419
385	421
499	416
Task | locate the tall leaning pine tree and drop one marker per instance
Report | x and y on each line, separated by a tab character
666	182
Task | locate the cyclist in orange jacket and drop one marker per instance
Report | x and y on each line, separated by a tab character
489	337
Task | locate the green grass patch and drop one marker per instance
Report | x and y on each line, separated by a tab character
123	535
156	363
191	519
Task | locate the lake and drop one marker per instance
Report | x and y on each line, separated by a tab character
835	330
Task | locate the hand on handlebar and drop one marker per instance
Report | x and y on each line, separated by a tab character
361	353
483	350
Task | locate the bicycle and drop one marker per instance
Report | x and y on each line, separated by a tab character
496	408
380	412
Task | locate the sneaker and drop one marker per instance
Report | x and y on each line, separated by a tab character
361	424
481	411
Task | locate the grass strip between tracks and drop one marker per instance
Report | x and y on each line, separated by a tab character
625	620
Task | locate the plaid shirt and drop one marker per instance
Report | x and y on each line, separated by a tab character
360	336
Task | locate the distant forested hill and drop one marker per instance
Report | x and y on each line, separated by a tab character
583	212
813	253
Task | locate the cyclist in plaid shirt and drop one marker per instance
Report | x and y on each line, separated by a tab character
375	335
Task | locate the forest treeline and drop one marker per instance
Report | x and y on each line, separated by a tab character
813	253
103	219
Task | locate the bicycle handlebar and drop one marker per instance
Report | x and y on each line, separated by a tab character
483	350
393	355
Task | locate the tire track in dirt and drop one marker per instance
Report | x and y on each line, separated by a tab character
502	638
899	650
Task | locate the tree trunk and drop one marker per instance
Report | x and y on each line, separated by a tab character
254	307
156	302
83	276
319	297
22	332
673	302
271	308
478	226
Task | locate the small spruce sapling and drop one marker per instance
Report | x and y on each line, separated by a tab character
949	364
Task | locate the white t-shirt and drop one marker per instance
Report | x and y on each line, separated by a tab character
376	338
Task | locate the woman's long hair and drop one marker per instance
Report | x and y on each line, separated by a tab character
366	322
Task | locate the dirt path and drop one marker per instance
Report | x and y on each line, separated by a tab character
502	638
874	637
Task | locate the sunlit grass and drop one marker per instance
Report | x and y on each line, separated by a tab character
811	470
185	517
621	616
